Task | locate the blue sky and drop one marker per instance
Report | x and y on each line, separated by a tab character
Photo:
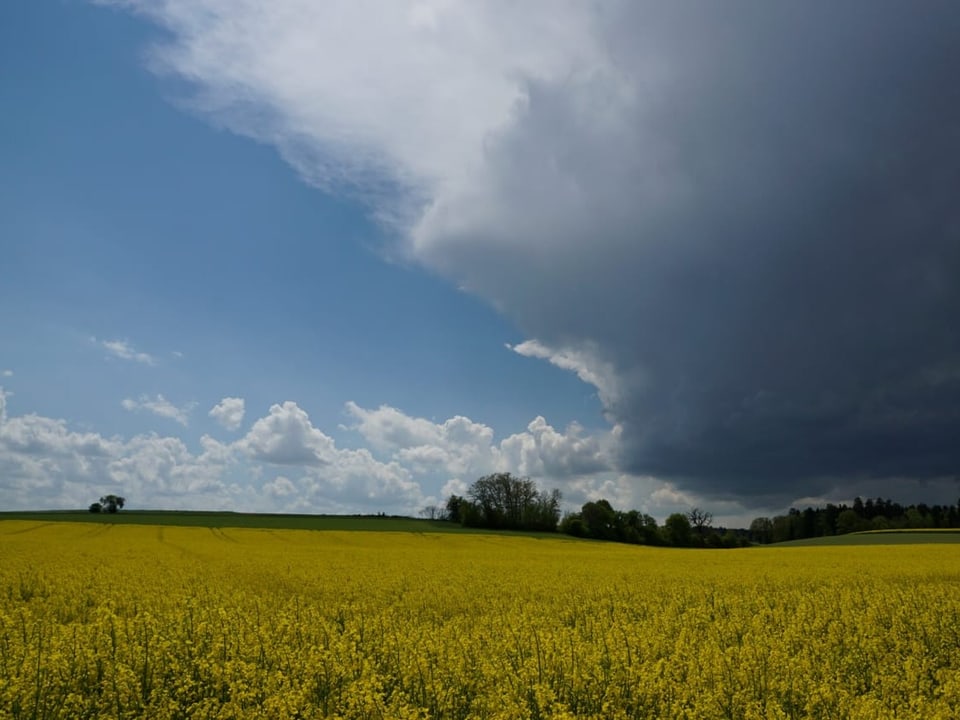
352	256
129	220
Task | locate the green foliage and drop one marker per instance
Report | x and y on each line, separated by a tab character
761	530
111	503
677	530
572	524
504	502
599	520
848	521
862	515
453	506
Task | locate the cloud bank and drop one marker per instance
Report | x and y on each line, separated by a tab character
285	463
737	220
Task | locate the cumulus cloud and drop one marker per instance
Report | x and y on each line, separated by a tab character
542	451
7	373
737	220
280	487
287	437
46	464
161	407
123	350
228	412
332	476
460	448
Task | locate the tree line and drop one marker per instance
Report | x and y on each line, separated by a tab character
504	502
840	519
599	520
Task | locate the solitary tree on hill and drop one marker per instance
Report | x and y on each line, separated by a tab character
111	503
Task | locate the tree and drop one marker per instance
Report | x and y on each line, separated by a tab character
649	529
504	501
600	519
431	512
454	502
111	503
546	513
95	507
572	524
848	521
761	530
700	520
677	530
916	519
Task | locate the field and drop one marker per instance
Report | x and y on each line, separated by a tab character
883	537
120	620
240	520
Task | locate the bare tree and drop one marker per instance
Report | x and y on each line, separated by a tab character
431	512
700	520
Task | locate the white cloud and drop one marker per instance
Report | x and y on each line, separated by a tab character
123	350
7	373
544	452
457	446
406	95
636	185
165	468
279	487
287	437
160	406
454	486
584	361
332	477
462	448
46	464
228	412
357	478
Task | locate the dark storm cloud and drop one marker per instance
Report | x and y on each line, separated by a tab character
744	214
764	241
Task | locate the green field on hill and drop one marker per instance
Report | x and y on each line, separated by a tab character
223	519
882	537
190	518
393	523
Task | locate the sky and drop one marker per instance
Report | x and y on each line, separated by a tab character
352	256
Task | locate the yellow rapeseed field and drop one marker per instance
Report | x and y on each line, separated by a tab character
117	621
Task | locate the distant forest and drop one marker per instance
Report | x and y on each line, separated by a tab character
504	502
841	519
